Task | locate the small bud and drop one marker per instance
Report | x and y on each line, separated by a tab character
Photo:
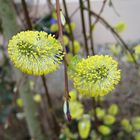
63	21
67	111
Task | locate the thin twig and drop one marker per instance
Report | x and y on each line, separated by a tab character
56	127
18	14
26	13
51	7
62	42
83	27
121	41
101	11
47	92
90	28
113	7
76	10
68	22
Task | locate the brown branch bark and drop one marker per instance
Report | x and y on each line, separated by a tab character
55	126
84	27
68	22
90	28
26	13
60	30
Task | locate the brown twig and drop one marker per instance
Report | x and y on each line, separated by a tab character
83	27
121	41
113	7
68	22
56	127
47	92
62	42
26	13
76	10
90	28
29	23
51	7
18	14
101	11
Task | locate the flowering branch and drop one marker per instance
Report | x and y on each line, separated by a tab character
121	41
56	127
62	42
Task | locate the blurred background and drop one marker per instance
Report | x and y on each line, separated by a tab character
113	28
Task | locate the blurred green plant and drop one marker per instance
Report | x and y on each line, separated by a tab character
120	26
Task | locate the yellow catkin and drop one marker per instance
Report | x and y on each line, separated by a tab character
35	53
96	76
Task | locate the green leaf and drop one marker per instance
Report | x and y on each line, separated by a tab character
136	123
73	27
76	109
126	125
54	28
66	40
104	130
128	58
84	126
77	47
113	109
137	49
72	66
120	26
100	113
115	49
73	95
137	136
19	102
69	135
109	119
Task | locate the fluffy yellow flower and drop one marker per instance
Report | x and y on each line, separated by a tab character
35	52
96	75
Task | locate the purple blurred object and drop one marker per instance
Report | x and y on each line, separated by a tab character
53	21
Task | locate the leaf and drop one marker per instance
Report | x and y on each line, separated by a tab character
84	127
126	125
109	119
113	109
66	40
72	66
100	113
54	28
116	49
37	98
104	130
19	102
120	26
136	123
77	47
137	136
73	27
73	95
128	58
137	49
76	109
